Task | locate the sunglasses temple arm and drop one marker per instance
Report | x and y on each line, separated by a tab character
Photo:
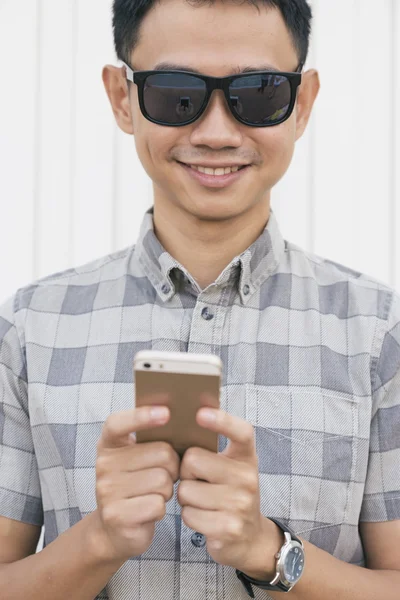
129	72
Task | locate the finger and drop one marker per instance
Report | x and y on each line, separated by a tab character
118	426
239	432
140	510
212	528
142	456
124	485
204	495
199	463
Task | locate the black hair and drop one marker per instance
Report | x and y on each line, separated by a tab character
128	15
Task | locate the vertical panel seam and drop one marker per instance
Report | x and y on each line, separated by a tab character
36	146
311	160
114	199
72	141
393	146
356	58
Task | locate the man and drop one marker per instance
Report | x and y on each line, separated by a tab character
304	493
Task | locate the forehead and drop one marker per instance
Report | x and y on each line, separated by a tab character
216	39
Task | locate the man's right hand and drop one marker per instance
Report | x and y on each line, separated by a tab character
133	482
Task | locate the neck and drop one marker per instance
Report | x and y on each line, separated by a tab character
205	248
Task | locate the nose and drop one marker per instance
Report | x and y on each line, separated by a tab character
217	127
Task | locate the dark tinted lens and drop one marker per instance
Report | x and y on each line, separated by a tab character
261	99
173	97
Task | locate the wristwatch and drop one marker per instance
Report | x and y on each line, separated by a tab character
289	565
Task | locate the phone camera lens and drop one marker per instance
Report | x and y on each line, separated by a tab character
147	365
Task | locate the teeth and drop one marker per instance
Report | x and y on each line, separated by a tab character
219	171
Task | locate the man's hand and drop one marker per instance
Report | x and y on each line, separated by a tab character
220	497
133	482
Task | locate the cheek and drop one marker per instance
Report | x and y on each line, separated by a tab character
278	149
145	136
153	145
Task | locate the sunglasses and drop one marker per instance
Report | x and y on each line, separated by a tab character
177	98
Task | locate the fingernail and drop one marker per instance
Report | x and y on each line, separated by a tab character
159	412
208	415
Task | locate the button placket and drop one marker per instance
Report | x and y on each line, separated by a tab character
206	329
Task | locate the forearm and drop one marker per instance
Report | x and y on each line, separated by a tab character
324	575
332	579
70	567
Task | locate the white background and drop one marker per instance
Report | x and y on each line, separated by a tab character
72	188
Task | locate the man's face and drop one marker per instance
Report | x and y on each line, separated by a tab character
214	40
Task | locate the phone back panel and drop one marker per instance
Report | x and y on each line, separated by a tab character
185	391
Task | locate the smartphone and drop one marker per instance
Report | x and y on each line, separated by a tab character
184	377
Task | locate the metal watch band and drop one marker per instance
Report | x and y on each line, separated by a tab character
265	585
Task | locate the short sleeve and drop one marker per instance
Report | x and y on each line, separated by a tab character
20	496
382	489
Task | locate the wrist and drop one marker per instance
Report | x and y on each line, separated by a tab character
262	563
98	544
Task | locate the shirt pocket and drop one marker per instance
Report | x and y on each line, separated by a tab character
306	444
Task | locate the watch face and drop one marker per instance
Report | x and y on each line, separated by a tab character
294	564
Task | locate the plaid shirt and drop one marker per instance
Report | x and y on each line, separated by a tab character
311	355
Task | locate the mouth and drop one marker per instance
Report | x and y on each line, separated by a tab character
215	181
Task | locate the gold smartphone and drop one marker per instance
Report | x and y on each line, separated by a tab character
184	377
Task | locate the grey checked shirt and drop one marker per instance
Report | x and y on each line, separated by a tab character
311	355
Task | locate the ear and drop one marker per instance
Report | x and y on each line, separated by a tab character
116	85
307	93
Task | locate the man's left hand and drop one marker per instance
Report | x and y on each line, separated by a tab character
220	496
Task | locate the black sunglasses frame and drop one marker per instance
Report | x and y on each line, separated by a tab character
215	83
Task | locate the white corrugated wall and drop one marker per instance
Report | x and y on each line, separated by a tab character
73	189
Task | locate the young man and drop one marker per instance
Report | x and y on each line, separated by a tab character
310	409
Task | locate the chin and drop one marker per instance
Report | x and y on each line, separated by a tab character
214	211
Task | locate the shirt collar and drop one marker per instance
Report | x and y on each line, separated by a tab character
251	268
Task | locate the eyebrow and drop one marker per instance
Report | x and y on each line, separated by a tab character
169	66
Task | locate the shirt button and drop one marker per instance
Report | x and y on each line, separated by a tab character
246	290
165	288
205	313
198	539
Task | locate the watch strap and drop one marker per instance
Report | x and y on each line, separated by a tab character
286	528
266	585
